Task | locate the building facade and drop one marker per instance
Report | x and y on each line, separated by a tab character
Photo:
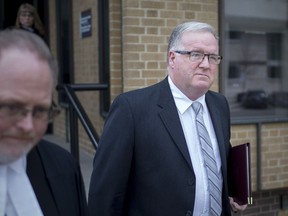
123	44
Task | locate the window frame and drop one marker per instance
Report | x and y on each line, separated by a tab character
223	76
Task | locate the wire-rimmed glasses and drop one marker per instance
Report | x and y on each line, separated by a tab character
14	112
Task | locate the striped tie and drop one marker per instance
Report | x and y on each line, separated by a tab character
214	183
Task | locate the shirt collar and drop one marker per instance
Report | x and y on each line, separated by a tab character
19	165
181	100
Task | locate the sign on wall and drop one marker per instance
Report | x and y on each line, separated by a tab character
86	23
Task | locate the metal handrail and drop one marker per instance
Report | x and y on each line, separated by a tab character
76	110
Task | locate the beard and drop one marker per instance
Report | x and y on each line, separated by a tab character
12	147
11	154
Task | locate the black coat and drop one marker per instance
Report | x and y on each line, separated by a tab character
57	181
142	166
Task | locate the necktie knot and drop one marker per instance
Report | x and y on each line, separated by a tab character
197	107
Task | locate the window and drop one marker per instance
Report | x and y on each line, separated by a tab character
254	43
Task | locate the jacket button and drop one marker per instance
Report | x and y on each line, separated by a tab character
188	213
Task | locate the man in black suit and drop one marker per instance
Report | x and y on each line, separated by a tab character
149	160
36	177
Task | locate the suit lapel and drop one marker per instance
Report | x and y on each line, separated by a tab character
216	115
37	173
170	118
52	176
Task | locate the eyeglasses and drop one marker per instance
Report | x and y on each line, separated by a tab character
16	112
195	56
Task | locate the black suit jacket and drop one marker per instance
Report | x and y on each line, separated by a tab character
142	166
57	181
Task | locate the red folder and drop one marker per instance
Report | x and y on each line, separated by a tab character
239	174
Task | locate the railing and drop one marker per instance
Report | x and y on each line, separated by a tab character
76	111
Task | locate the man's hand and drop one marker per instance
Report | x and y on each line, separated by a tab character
235	206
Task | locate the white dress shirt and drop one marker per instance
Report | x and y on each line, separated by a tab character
17	197
187	118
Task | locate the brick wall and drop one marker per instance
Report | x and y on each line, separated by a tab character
266	203
86	68
146	29
115	48
274	153
243	134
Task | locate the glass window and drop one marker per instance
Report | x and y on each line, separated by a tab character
254	71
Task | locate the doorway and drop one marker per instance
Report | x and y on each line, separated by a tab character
9	10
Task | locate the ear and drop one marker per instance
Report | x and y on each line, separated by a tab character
171	59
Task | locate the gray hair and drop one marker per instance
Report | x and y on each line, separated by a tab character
24	40
176	35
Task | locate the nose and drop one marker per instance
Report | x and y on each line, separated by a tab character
26	122
205	62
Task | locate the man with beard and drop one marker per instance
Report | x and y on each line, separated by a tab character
36	177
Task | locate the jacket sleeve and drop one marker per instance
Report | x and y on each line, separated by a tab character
112	163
